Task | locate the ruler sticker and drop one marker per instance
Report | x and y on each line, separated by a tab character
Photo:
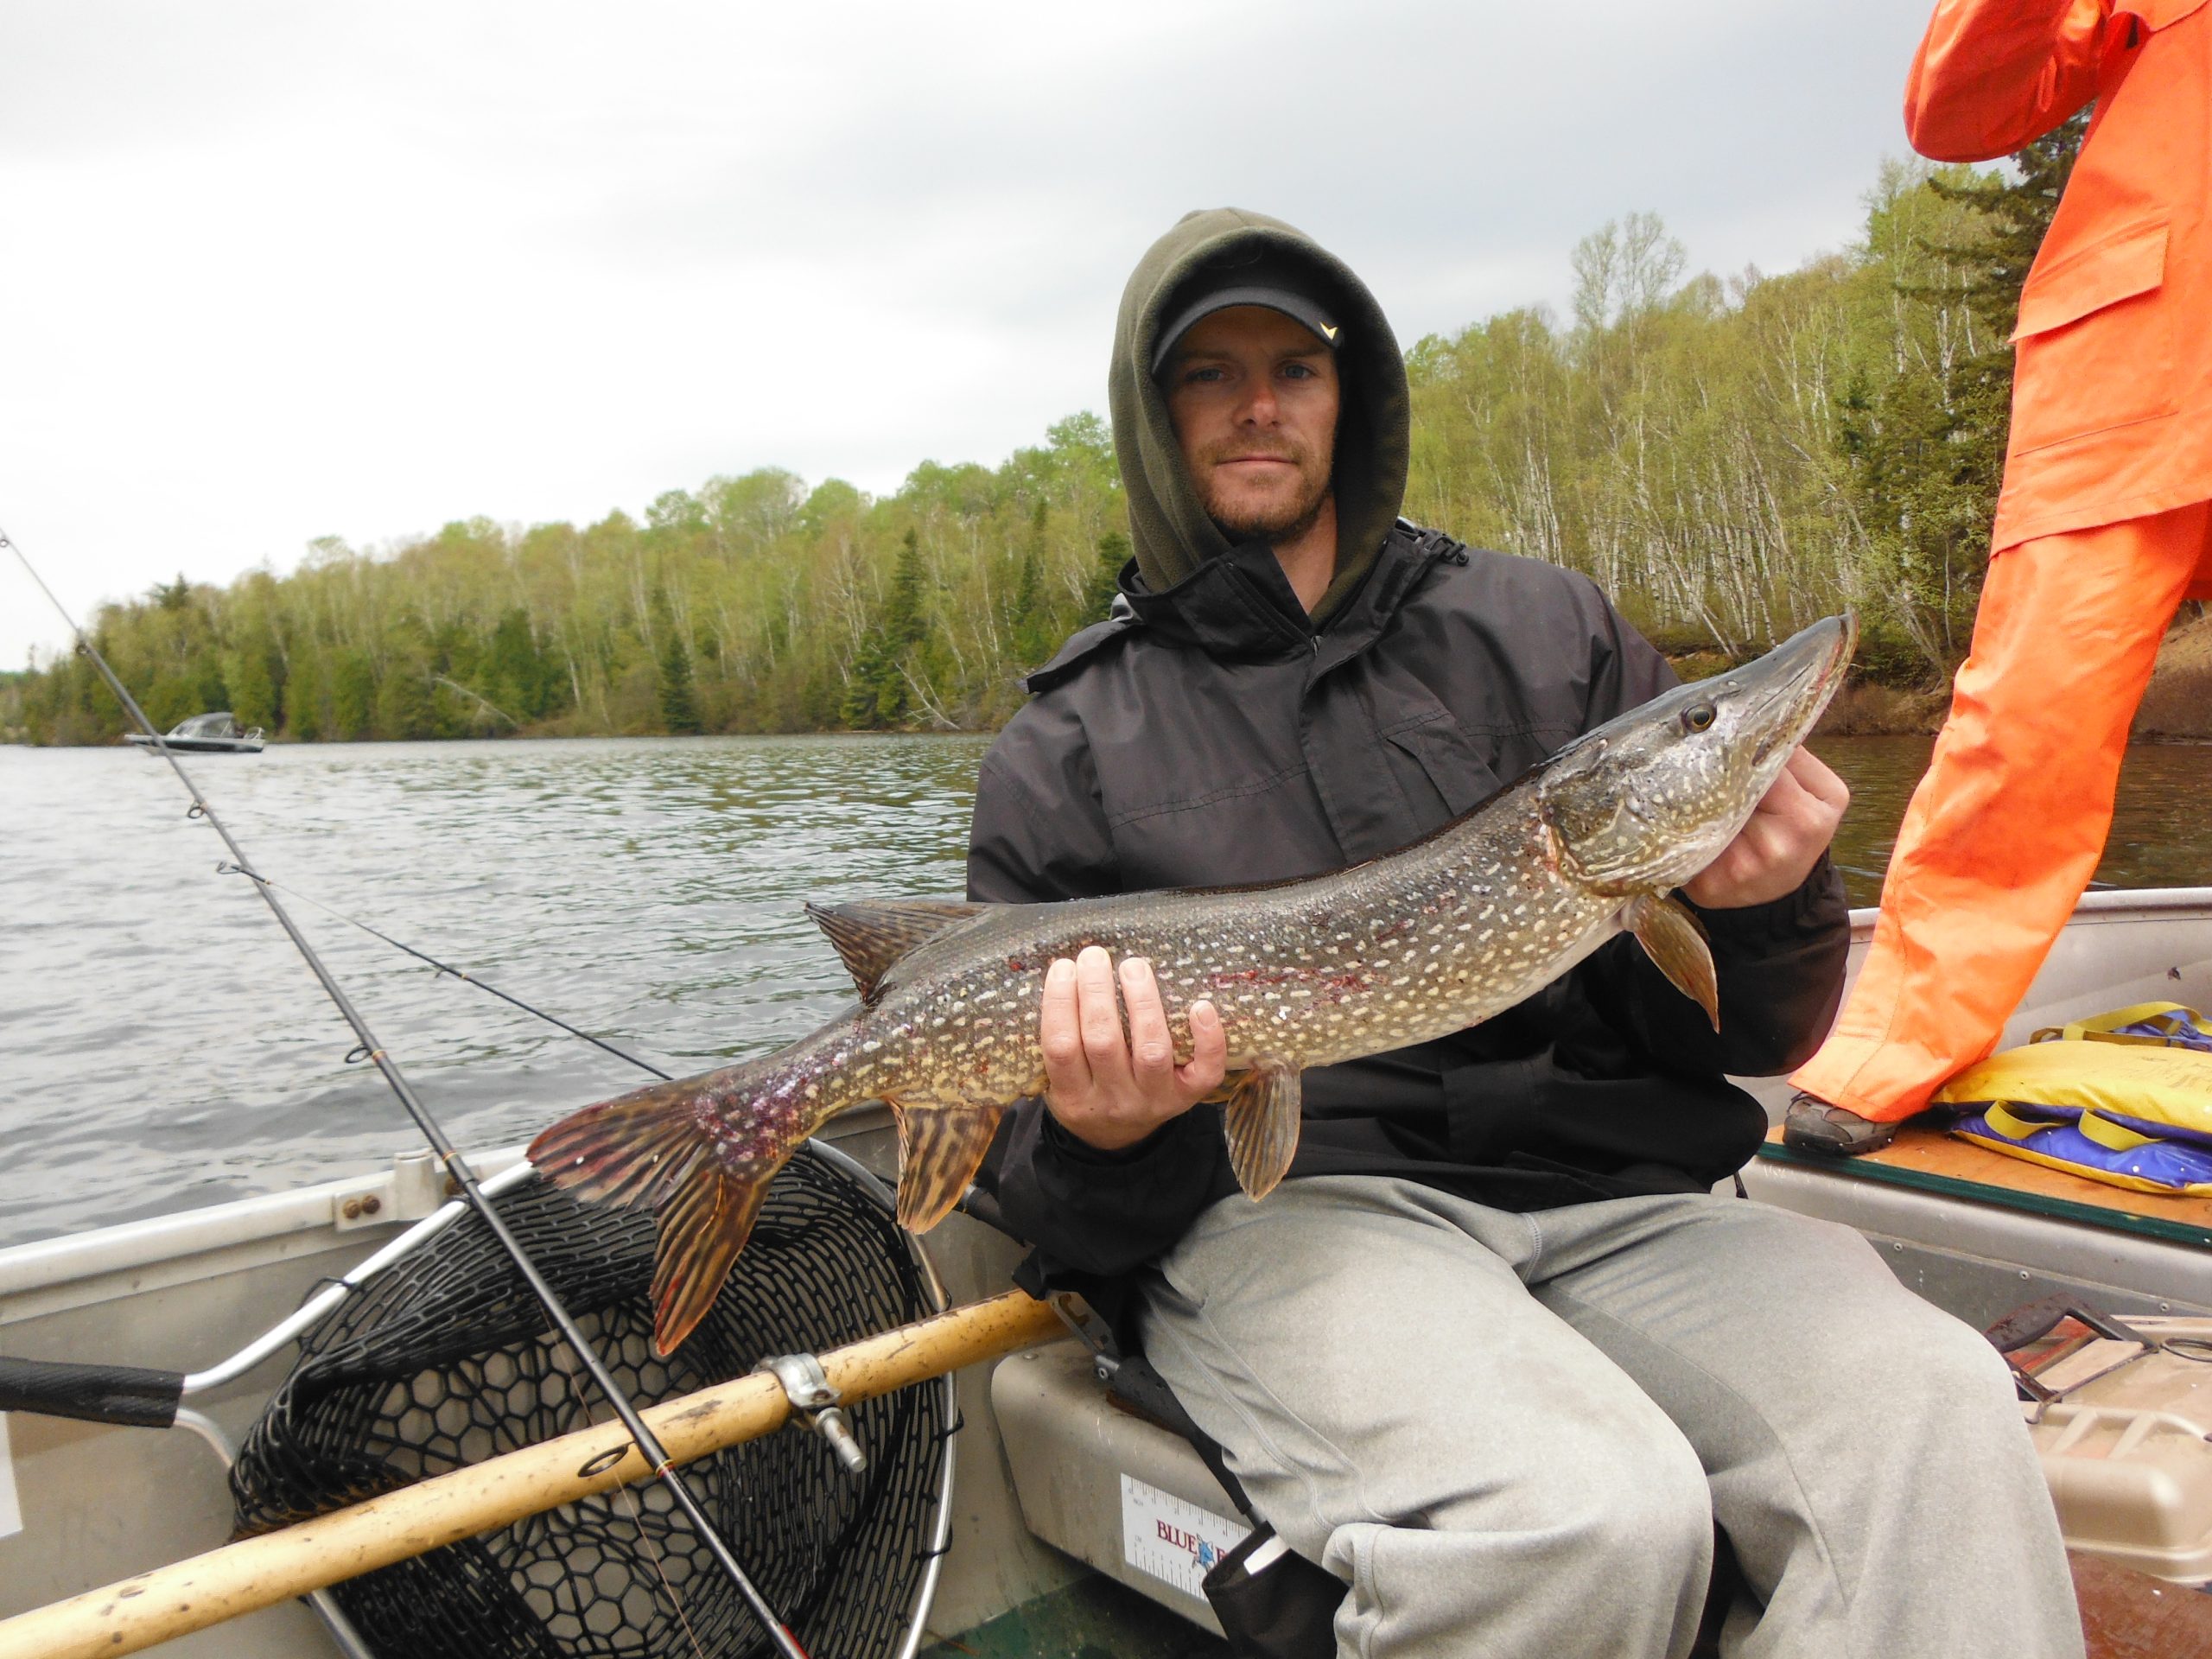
11	1514
1176	1542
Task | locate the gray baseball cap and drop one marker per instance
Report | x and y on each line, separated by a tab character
1278	284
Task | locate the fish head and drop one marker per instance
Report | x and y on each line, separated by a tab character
1648	800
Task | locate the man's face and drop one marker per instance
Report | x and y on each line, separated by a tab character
1253	396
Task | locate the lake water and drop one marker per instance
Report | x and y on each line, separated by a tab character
162	1047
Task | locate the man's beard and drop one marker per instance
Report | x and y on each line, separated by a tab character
1282	522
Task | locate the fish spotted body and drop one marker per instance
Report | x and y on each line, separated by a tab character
1400	950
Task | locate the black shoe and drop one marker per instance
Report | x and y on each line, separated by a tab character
1829	1131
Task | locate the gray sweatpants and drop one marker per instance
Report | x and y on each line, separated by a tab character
1511	1434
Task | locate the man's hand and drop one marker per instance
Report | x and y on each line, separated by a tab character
1109	1092
1774	853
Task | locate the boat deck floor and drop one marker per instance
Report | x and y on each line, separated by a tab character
1935	1160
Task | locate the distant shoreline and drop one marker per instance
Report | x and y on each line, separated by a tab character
2176	709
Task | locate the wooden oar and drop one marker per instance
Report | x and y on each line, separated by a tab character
256	1573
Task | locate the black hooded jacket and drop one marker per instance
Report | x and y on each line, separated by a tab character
1211	733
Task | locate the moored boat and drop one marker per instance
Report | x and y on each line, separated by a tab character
218	732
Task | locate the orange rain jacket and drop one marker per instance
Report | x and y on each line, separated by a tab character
2112	402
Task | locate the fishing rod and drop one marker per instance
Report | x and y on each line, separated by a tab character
655	1456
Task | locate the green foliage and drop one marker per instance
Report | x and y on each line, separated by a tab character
889	680
404	708
679	707
1728	459
1924	428
353	698
1114	552
252	687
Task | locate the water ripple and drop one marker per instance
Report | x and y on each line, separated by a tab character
161	1046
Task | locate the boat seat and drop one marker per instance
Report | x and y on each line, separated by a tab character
1099	1479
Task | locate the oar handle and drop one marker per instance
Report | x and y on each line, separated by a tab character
257	1573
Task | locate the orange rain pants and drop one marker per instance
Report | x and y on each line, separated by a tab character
2006	827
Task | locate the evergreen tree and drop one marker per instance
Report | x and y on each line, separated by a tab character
405	709
519	679
1105	577
353	696
2014	216
905	624
304	691
1928	448
877	697
252	687
679	707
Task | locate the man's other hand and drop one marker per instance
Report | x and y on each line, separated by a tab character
1107	1090
1773	854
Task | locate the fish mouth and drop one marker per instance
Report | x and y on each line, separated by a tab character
1810	668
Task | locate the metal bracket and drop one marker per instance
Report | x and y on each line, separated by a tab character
411	1189
2023	1326
806	1385
1089	1330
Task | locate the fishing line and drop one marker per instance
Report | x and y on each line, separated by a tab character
648	1444
460	974
976	1202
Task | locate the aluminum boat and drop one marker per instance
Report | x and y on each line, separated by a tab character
1053	1485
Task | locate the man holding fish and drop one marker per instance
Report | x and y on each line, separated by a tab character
1493	1354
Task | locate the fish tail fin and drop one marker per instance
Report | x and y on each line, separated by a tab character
939	1150
632	1149
1261	1120
657	1147
701	1230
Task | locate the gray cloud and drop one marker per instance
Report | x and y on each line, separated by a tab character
276	271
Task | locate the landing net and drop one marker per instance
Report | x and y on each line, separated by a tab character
447	1360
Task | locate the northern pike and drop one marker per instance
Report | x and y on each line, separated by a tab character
1462	924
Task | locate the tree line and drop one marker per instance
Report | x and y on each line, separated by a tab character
1729	458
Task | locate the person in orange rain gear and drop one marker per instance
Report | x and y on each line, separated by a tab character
2102	531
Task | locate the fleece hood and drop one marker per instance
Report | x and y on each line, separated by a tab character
1168	523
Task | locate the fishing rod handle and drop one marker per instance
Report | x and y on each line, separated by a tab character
128	1395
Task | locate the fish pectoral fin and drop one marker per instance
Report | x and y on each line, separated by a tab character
1674	940
872	934
702	1229
1261	1120
939	1148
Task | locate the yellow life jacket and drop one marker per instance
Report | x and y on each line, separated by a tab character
2124	1097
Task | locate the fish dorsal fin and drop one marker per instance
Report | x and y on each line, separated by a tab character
873	934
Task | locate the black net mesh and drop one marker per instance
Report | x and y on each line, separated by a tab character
447	1360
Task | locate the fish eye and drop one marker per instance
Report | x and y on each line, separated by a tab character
1698	717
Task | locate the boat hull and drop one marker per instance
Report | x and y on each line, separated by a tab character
198	745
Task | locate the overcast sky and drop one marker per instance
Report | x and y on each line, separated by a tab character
273	272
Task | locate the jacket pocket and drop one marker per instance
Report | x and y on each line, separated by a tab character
1445	755
2096	342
